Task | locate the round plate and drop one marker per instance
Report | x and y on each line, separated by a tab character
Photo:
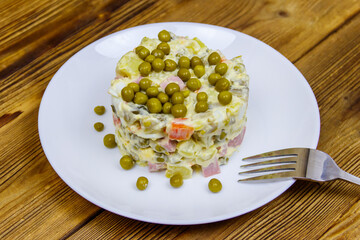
282	113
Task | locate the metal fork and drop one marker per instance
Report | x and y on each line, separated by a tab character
298	163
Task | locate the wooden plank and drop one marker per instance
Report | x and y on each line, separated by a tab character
37	200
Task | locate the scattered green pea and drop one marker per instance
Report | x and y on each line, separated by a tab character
195	61
215	185
201	106
176	181
142	183
222	85
213	78
99	110
109	140
99	126
127	162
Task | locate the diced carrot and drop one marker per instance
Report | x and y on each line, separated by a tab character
180	131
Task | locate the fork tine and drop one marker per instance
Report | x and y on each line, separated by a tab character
271	169
278	153
270	176
273	161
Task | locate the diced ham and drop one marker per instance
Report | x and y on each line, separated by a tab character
238	139
171	79
154	167
116	120
178	130
167	144
212	169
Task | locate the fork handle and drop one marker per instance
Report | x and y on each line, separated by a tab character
348	177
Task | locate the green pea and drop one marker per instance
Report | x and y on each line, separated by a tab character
143	53
163	97
152	92
221	68
99	126
127	162
154	105
195	61
179	110
225	97
222	135
134	86
176	181
159	159
170	65
158	53
213	78
163	46
214	58
127	94
193	84
222	85
186	93
202	96
145	83
171	88
184	74
158	65
140	98
99	110
150	58
201	106
164	36
137	49
167	107
184	62
109	140
199	70
215	185
145	69
177	98
142	183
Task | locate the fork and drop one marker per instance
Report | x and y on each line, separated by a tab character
298	163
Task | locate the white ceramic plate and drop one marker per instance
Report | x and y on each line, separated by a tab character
282	112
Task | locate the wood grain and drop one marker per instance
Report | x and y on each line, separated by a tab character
320	37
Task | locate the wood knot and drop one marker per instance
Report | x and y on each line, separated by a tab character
282	13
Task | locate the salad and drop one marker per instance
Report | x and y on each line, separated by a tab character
178	105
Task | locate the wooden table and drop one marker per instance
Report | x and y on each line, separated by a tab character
321	37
